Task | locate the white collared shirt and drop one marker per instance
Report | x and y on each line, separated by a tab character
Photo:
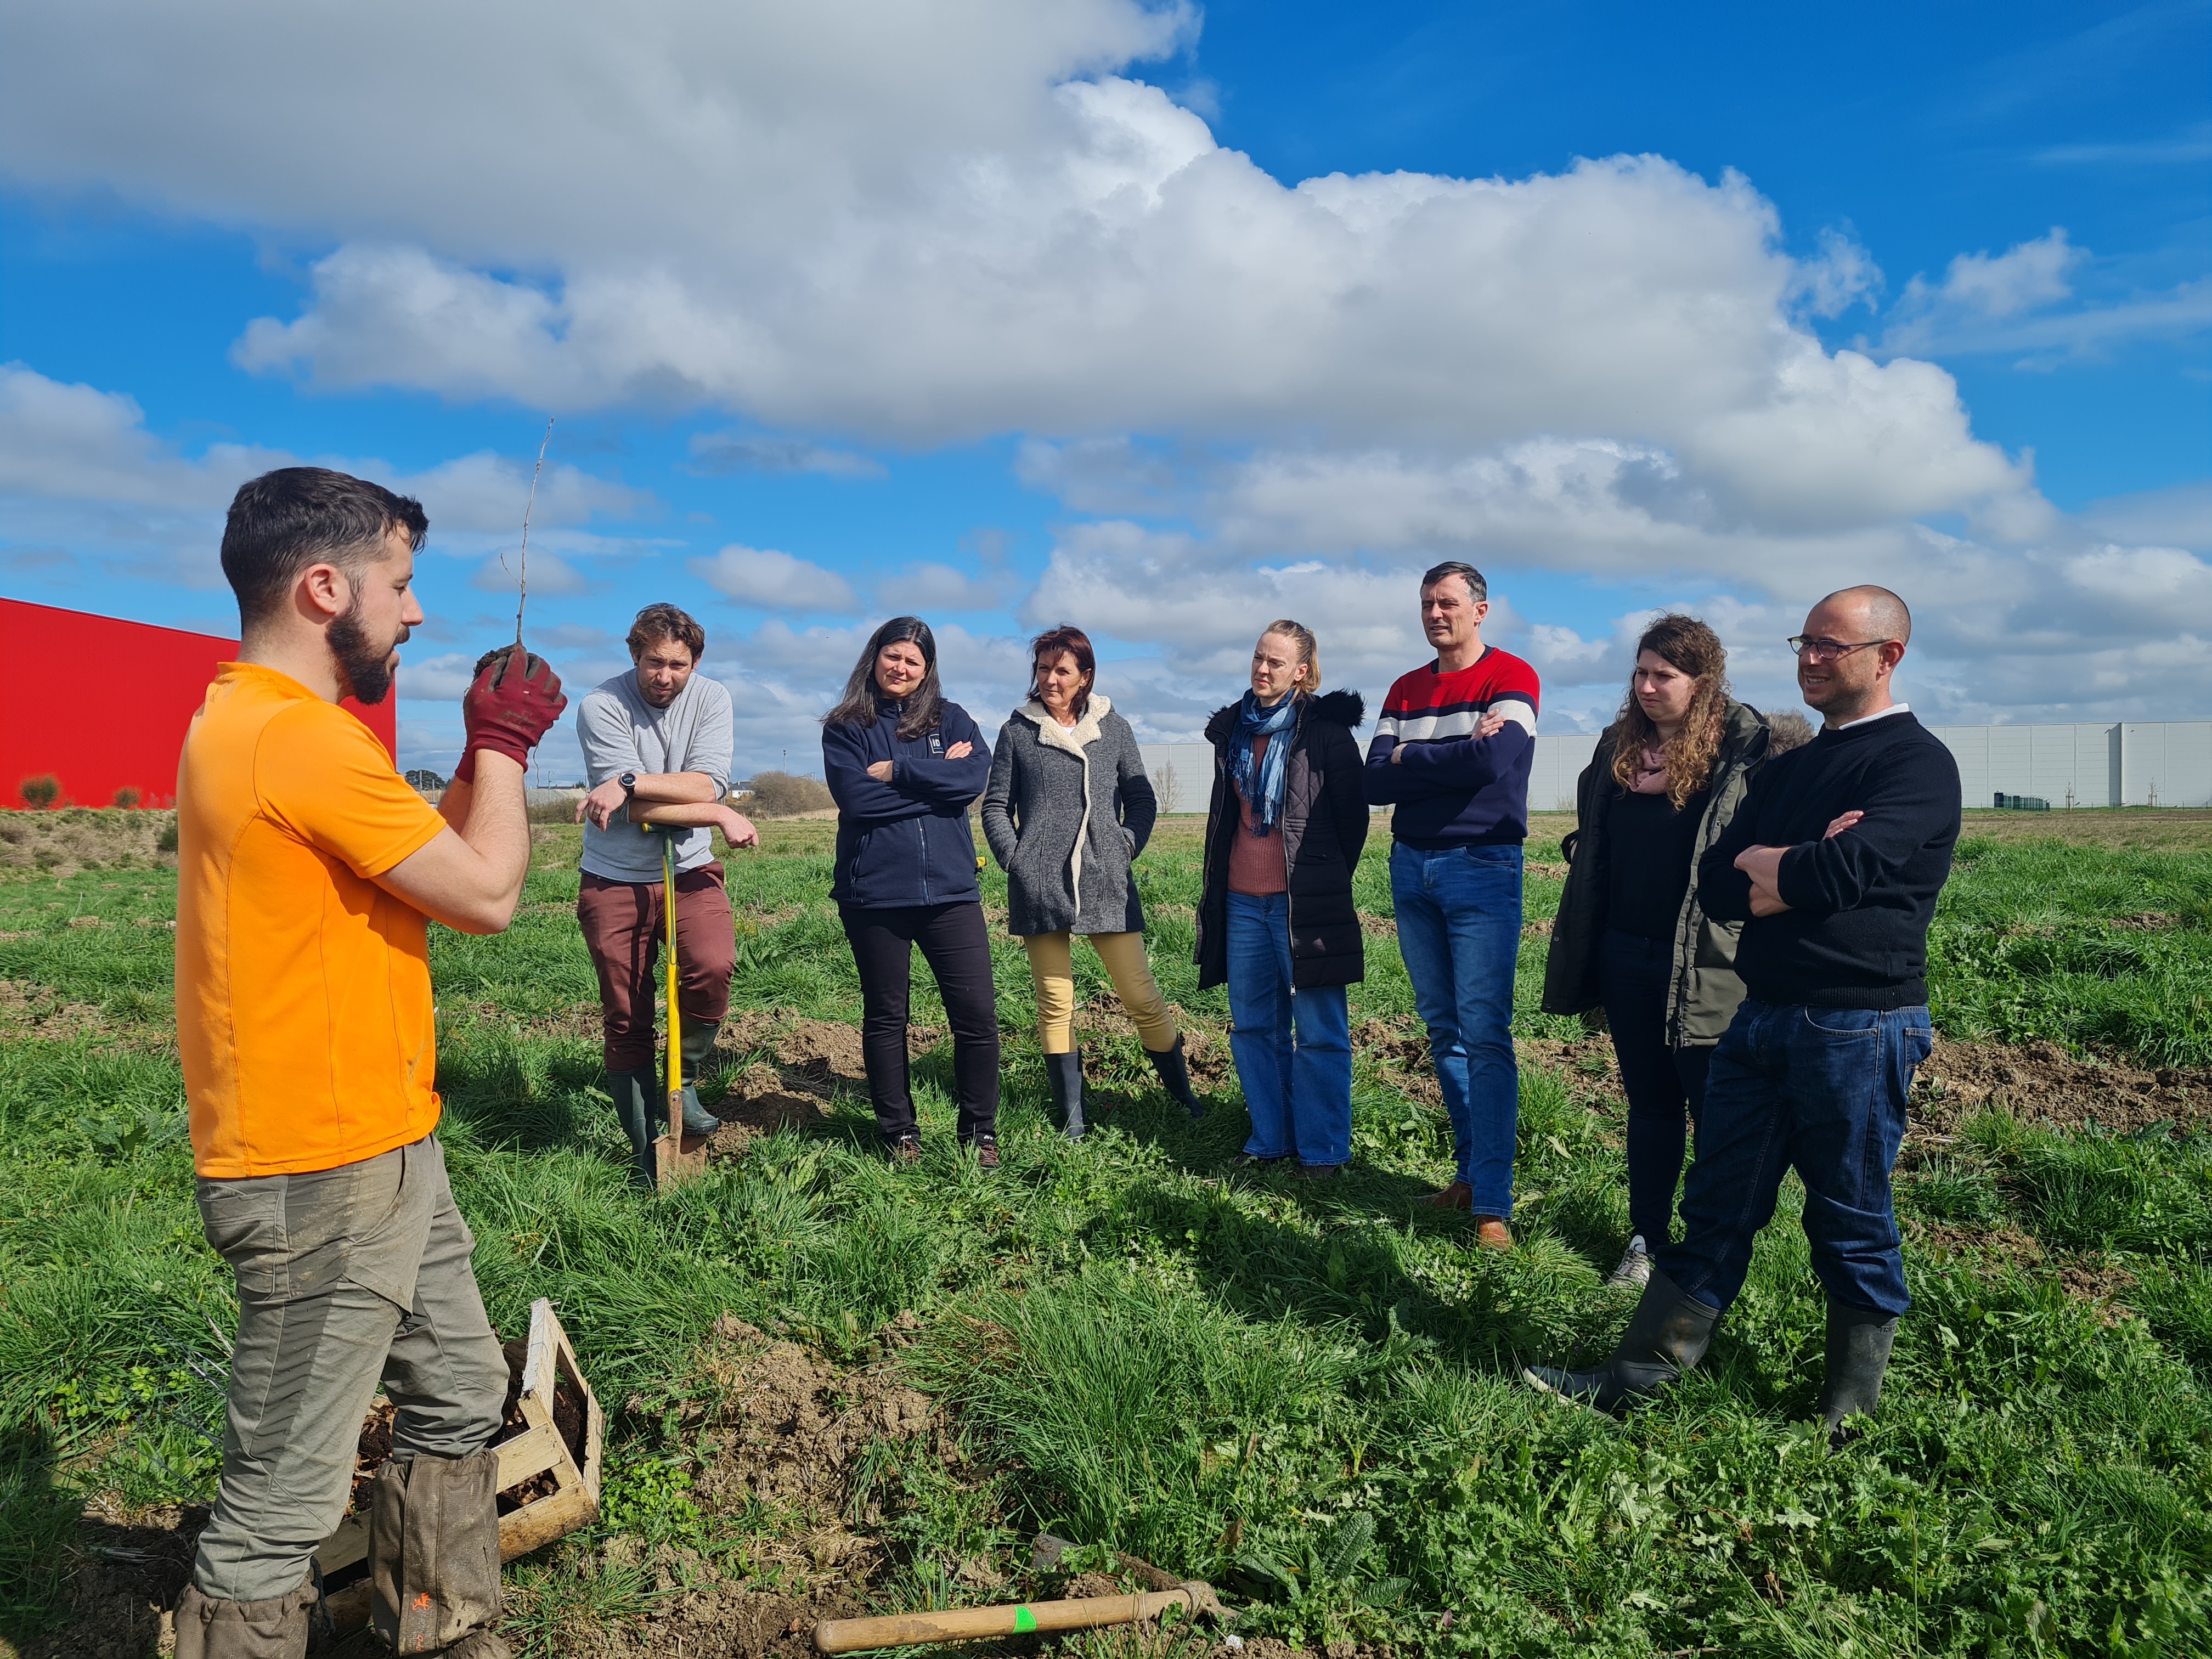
1866	719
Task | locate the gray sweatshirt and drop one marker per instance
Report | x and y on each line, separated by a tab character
620	732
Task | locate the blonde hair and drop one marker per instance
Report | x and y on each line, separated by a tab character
1309	651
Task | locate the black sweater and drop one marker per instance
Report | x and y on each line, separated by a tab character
1856	933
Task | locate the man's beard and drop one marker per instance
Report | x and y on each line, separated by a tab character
364	668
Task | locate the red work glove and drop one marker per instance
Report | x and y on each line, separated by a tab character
512	704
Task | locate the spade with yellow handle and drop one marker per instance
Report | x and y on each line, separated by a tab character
678	1156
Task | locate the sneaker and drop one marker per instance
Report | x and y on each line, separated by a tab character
1457	1196
907	1148
986	1148
1634	1272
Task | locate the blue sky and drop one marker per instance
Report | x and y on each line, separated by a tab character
1163	321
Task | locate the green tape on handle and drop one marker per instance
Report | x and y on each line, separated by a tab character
1025	1621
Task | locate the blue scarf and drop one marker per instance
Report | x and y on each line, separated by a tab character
1265	795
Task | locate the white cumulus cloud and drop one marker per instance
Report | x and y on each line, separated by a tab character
769	581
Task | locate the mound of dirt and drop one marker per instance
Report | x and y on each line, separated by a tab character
775	1423
814	1050
786	1427
759	1102
2040	1082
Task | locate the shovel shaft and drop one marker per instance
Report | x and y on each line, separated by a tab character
674	1014
969	1623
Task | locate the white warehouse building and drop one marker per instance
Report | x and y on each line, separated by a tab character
2133	763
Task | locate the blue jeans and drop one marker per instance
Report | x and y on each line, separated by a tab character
1821	1090
1459	929
1298	1092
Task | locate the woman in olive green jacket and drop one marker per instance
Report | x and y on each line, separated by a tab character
1630	938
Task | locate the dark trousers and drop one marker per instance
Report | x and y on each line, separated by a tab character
956	945
624	924
1821	1090
1666	1085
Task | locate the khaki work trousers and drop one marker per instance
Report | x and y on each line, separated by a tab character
346	1277
1052	969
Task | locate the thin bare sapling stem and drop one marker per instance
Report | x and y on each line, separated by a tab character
522	583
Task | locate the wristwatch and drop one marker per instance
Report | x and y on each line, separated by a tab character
629	781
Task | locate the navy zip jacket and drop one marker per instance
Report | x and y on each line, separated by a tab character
1856	933
907	841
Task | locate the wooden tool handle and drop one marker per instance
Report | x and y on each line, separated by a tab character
967	1624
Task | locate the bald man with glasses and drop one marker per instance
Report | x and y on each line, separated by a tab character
1832	864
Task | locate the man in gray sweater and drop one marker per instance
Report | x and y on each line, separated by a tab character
657	744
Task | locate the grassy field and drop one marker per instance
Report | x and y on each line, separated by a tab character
1306	1394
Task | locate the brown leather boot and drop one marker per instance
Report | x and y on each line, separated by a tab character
433	1555
1491	1233
273	1629
1457	1196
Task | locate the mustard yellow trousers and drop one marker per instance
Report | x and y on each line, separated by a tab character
1051	968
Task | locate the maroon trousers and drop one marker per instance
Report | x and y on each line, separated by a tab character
624	924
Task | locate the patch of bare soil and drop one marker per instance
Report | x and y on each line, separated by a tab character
774	1423
2089	1278
2040	1082
697	1614
28	1009
758	1103
1206	1051
784	1425
126	1572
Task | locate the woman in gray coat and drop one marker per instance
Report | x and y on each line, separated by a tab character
1067	811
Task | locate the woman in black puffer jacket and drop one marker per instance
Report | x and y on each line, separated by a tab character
903	765
1277	924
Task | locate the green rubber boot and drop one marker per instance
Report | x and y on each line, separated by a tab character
1859	1345
698	1043
632	1092
1175	1076
1667	1335
1065	1073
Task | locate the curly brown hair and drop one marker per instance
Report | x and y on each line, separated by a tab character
1697	651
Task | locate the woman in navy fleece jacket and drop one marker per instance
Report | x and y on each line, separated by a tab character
903	765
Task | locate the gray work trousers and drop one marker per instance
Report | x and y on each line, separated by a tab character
346	1277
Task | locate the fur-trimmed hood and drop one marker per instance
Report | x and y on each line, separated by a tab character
1346	708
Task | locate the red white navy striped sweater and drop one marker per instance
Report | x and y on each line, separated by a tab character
1452	789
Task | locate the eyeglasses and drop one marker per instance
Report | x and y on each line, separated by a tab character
1827	650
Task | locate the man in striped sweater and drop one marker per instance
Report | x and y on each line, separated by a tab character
1451	753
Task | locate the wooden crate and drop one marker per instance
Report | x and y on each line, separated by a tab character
537	1450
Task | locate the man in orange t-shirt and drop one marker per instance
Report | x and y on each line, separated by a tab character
306	868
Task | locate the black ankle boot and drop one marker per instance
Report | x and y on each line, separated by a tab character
1175	1077
1859	1341
631	1091
1065	1073
1667	1335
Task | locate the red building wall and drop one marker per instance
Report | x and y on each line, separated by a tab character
102	705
